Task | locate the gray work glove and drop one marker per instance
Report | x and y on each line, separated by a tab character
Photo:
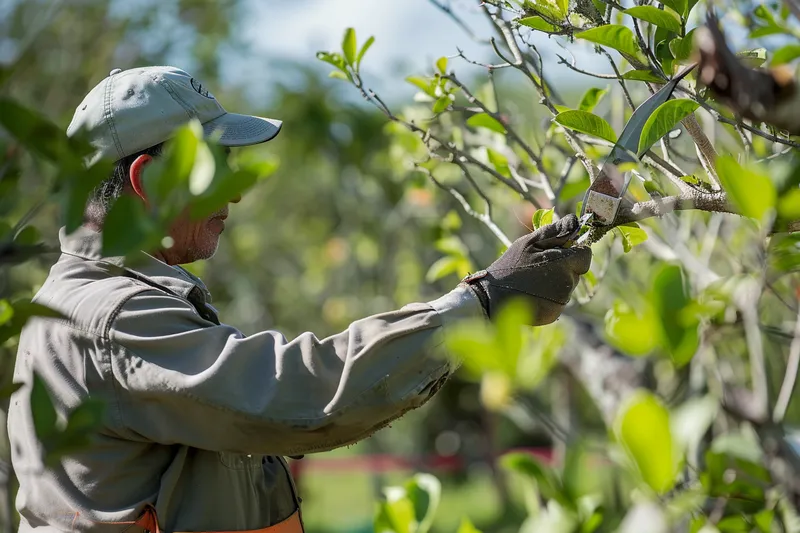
537	268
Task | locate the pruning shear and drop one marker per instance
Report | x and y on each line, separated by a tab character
602	199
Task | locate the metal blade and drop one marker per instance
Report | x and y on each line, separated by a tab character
604	194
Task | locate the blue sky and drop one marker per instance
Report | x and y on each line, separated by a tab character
410	35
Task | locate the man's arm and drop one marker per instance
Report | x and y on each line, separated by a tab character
185	380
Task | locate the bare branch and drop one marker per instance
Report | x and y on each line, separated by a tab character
485	218
705	150
789	377
509	131
619	77
571	65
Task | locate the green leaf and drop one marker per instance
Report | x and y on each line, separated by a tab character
484	120
679	6
550	9
632	235
395	514
441	65
663	120
42	410
537	23
28	235
641	75
789	206
764	519
689	6
543	217
643	428
563	7
591	98
6	312
658	17
785	54
631	332
8	390
332	59
78	183
127	227
444	266
588	123
546	481
363	51
682	47
339	75
499	162
669	299
467	527
475	344
764	31
442	103
424	491
23	310
349	46
751	192
765	14
41	136
752	58
509	324
422	83
81	424
614	36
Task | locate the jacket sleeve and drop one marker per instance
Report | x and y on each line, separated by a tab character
184	380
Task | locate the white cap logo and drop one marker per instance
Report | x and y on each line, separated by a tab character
198	87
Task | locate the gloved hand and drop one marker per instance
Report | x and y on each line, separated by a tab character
537	268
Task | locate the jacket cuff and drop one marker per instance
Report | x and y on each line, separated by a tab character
458	304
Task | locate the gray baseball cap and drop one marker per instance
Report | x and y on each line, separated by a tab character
134	109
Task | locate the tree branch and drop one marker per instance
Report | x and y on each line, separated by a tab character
789	377
510	132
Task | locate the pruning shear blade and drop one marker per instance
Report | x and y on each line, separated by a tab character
604	195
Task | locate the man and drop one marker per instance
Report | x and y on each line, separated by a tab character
198	416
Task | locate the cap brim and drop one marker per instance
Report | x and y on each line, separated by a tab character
232	129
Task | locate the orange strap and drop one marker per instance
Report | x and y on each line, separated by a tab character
149	522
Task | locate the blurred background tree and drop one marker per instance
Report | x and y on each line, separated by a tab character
357	220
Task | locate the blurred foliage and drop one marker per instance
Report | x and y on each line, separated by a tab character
363	211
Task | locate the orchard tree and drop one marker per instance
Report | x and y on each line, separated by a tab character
686	332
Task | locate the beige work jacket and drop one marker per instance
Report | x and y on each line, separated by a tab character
198	415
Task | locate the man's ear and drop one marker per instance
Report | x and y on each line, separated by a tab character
136	174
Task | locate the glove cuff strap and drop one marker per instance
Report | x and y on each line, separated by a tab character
472	282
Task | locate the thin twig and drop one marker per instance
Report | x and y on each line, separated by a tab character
487	66
447	10
537	160
482	217
654	65
619	77
562	179
790	377
563	61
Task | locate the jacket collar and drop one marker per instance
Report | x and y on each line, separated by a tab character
87	244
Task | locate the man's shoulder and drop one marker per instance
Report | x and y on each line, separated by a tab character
88	294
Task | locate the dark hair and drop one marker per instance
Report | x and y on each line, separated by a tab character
103	196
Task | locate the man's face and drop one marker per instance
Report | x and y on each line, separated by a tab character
195	239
